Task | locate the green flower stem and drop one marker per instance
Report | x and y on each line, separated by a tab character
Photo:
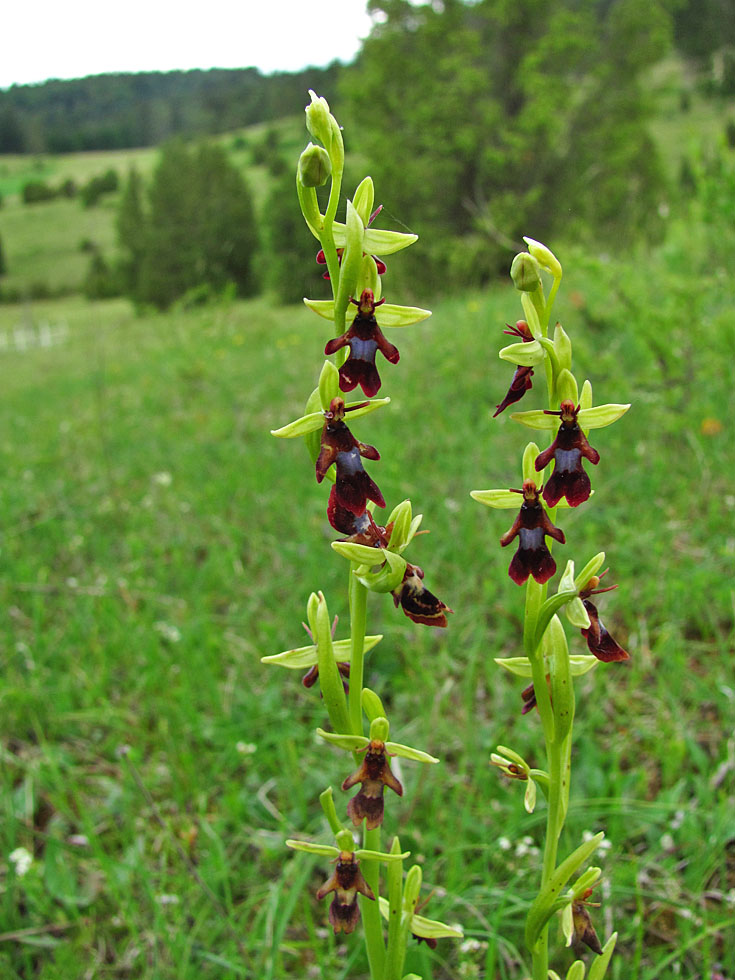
357	594
371	918
327	236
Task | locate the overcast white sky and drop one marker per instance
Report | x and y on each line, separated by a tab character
43	39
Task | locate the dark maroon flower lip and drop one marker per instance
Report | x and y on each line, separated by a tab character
417	602
373	775
365	339
568	449
531	527
599	641
359	528
584	931
521	382
353	486
346	882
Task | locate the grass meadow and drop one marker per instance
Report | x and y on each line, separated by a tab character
157	541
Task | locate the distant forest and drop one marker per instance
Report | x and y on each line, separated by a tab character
118	111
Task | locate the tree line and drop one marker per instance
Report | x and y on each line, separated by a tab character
124	110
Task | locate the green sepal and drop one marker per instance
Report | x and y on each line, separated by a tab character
303	657
598	969
529	464
566	389
591	568
363	554
330	680
326	801
579	664
576	970
577	614
313	439
585	395
377	241
408	752
328	384
388	578
545	903
372	705
319	120
324	850
544	256
562	688
388	315
369	277
563	348
300	427
344	840
380	729
364	198
527	353
426	928
513	756
499	499
350	743
537	419
310	208
367	855
600	416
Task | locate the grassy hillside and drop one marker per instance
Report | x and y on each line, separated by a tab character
157	542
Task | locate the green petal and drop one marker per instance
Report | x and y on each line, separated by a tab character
300	427
364	199
591	568
544	256
433	929
367	855
576	970
537	420
328	384
566	388
389	577
529	464
600	416
499	499
350	743
371	704
379	241
577	614
325	850
585	395
408	752
322	307
527	354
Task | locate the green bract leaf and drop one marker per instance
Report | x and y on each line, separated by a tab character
389	577
528	353
566	584
576	970
351	264
531	315
389	315
421	926
529	797
372	705
585	395
301	657
537	420
545	902
563	347
408	752
328	384
600	965
363	554
580	664
499	499
600	416
350	743
548	611
325	850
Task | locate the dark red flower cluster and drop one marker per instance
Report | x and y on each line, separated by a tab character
365	339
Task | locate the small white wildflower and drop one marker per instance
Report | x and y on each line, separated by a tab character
167	899
78	840
678	819
162	479
667	842
470	946
167	631
504	844
453	506
72	582
246	748
21	859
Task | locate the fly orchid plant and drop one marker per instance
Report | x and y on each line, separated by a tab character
547	662
376	562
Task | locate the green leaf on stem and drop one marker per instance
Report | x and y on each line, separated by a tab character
499	499
600	965
545	903
304	657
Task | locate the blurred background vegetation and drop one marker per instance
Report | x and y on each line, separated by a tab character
157	541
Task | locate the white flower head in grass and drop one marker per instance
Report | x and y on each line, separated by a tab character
162	479
21	859
167	631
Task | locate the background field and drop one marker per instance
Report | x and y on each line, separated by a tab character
157	541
